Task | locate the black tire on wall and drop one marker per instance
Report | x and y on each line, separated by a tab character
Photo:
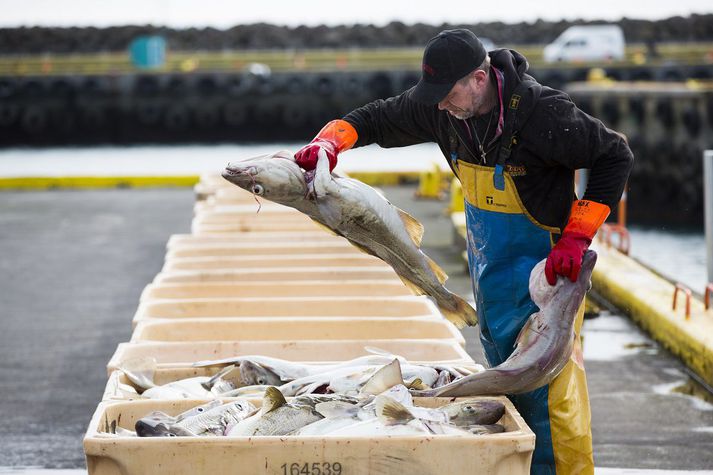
147	86
691	119
296	114
351	86
176	117
149	113
610	112
235	114
264	84
8	114
295	84
177	86
33	88
324	85
34	120
637	110
380	86
238	85
62	88
206	115
92	117
8	87
664	112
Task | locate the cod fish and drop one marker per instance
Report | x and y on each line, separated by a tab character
356	211
276	417
212	418
544	345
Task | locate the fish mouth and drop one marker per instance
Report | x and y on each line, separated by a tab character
236	172
588	261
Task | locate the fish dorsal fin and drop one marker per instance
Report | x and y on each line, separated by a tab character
216	377
418	384
272	400
385	378
336	409
413	227
391	412
440	273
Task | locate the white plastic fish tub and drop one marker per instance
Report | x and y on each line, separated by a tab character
240	218
282	237
266	260
507	453
306	328
247	207
277	289
288	307
270	248
184	354
286	218
277	274
254	225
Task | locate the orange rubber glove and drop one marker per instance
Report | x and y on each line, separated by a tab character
335	137
566	257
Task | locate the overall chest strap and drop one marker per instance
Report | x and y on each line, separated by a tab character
521	104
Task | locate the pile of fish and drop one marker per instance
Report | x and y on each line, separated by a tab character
391	412
251	376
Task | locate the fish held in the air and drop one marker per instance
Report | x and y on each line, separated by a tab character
357	212
544	345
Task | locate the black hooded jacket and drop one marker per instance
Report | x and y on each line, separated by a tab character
556	139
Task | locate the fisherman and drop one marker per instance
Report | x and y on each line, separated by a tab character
514	144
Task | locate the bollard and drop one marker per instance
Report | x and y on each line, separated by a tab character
429	184
687	292
457	200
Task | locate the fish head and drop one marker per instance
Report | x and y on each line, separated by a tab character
275	176
253	374
564	292
152	426
477	411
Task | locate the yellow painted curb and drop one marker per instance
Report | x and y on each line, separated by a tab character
385	178
44	183
647	299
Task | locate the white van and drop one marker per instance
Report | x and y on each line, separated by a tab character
587	43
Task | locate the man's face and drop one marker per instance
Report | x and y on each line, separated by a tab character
466	98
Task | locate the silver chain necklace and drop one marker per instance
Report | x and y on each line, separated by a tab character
481	143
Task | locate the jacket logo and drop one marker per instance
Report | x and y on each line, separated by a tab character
516	170
489	200
428	69
515	101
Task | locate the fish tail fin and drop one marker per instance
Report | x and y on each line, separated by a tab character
462	315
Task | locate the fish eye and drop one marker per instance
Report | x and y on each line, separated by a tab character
200	409
261	381
170	434
258	189
468	408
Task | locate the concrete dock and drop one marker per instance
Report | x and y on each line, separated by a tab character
75	262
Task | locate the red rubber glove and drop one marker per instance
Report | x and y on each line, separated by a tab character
566	257
335	137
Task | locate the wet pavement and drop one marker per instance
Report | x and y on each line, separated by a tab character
73	264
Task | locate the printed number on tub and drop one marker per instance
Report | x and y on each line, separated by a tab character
316	468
